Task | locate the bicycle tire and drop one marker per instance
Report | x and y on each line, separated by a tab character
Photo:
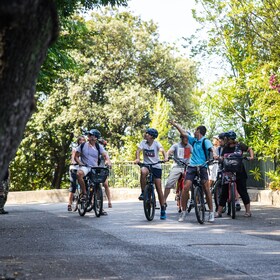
82	207
217	190
91	199
76	196
232	201
199	205
149	202
98	200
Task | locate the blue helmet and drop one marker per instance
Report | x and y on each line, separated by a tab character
95	133
231	134
153	132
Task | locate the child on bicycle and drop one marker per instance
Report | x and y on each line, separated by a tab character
180	151
151	150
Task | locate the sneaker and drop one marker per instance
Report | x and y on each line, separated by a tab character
182	216
238	207
162	215
84	197
141	196
211	217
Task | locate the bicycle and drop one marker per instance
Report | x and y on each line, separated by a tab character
93	181
180	182
149	198
197	195
231	165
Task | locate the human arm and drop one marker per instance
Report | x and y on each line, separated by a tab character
161	149
138	151
107	159
251	153
77	158
179	128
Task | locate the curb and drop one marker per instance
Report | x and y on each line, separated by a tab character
267	197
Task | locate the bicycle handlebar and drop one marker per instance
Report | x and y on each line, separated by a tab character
142	164
179	161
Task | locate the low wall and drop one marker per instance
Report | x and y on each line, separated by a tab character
122	194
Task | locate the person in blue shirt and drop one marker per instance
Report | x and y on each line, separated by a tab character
202	150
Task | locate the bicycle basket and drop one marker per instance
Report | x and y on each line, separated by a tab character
232	164
99	174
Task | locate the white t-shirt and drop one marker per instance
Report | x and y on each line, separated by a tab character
151	152
182	152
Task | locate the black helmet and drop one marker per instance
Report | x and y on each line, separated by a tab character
231	134
95	133
153	132
222	135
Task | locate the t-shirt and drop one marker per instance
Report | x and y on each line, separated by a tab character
182	152
89	155
150	152
198	155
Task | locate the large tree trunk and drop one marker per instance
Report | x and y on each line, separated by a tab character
27	28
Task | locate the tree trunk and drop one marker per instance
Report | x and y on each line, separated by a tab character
27	28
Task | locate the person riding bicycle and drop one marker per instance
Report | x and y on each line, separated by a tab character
73	173
151	149
235	149
106	183
199	156
181	151
87	156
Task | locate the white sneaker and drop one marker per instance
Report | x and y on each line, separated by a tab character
211	217
182	216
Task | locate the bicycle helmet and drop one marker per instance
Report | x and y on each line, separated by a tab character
222	135
95	133
231	134
153	132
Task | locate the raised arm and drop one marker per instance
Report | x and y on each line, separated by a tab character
179	128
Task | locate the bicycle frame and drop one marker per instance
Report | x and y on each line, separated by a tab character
149	201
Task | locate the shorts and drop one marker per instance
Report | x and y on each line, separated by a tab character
174	176
85	169
157	173
191	173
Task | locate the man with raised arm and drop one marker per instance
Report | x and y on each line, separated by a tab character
202	150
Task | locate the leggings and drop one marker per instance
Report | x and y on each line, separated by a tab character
241	188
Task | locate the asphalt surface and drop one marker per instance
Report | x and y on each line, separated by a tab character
44	241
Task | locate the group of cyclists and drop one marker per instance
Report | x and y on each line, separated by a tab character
194	151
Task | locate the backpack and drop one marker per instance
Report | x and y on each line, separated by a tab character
206	153
98	149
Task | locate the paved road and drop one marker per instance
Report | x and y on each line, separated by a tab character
43	241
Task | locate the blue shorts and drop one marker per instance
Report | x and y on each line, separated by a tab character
191	173
157	173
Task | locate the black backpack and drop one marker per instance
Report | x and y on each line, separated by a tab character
98	149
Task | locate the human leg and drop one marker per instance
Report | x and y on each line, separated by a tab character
242	190
143	180
107	191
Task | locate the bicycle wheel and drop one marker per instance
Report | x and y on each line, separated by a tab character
82	207
217	190
98	200
232	200
76	198
91	199
191	201
199	205
149	202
